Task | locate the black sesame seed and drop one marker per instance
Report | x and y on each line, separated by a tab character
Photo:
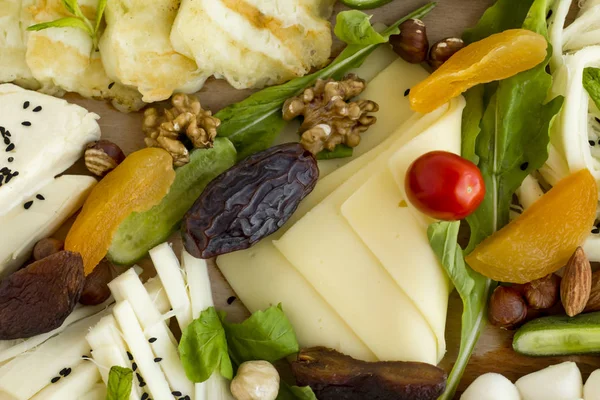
63	372
55	379
524	166
11	159
139	377
406	92
4	171
595	230
10	147
85	357
134	367
7	140
145	396
591	142
187	397
231	300
130	356
37	109
110	85
40	197
157	359
549	14
28	205
142	384
152	340
25	105
26	123
597	119
176	393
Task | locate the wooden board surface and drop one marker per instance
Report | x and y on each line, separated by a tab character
449	18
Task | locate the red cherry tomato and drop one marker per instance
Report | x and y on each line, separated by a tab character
444	185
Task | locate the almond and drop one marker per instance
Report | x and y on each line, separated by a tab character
593	303
576	284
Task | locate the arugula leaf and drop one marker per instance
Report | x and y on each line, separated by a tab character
473	289
266	335
472	114
503	15
340	151
203	348
253	124
514	136
591	83
354	27
67	22
287	392
120	381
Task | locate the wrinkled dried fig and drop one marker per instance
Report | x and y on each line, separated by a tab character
38	298
333	375
95	290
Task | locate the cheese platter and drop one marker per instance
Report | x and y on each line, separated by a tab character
393	189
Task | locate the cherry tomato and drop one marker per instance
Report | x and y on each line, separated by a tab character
444	185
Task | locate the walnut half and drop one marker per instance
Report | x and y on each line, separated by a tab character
185	118
330	118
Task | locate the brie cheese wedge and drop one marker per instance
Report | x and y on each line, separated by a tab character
40	137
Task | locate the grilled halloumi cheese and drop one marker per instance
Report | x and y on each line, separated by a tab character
13	67
254	43
136	49
64	57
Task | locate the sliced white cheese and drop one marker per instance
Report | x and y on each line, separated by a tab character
47	135
96	392
129	287
262	277
252	43
13	348
491	386
45	362
80	381
557	382
24	227
171	275
142	352
136	50
158	295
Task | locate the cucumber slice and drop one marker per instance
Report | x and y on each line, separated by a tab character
142	231
365	4
559	335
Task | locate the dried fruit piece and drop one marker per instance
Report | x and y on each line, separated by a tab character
136	185
496	57
38	298
543	238
576	283
96	290
333	375
249	201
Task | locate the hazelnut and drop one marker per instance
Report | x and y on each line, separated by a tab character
411	43
507	308
95	289
255	380
103	156
47	247
542	293
444	49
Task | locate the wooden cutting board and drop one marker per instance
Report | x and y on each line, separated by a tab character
449	18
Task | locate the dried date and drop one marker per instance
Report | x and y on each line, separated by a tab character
249	201
38	298
96	290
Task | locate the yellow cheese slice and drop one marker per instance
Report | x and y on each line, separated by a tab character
262	277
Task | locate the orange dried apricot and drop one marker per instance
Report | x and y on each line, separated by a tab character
543	238
496	57
136	185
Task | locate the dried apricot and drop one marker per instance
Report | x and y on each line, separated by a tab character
541	240
136	185
496	57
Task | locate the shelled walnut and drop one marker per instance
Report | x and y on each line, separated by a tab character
186	118
330	118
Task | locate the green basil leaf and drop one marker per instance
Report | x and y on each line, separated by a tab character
253	124
354	27
266	335
591	83
119	384
203	348
67	22
287	392
340	151
473	289
99	14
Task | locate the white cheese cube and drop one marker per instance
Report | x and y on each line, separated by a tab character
557	382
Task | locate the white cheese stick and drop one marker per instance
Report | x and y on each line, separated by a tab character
80	381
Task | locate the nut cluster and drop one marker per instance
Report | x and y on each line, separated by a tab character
412	45
330	119
186	118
